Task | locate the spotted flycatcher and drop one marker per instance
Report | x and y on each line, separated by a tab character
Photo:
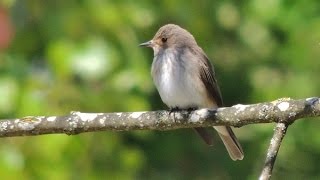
185	79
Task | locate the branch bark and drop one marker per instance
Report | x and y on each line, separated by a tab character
279	133
282	110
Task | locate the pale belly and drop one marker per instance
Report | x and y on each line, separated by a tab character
177	86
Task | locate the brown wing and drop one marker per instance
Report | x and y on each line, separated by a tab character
207	76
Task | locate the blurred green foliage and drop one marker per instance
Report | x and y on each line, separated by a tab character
84	55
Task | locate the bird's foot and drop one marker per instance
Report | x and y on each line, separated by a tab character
191	109
174	109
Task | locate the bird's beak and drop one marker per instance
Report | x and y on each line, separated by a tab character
147	44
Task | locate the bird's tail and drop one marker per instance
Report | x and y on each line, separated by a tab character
231	142
203	133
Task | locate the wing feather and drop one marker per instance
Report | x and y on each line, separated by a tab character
207	75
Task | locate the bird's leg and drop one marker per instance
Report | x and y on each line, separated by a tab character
191	109
173	109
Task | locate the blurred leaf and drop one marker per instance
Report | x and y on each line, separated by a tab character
84	56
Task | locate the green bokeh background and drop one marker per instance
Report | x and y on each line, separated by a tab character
84	56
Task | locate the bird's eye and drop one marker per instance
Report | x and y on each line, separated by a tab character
164	40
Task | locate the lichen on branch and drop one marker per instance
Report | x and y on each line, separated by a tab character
282	110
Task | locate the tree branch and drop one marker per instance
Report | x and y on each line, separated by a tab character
282	110
279	133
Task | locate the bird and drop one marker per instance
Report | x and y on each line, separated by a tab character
185	80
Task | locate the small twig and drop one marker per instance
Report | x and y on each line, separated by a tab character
279	133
